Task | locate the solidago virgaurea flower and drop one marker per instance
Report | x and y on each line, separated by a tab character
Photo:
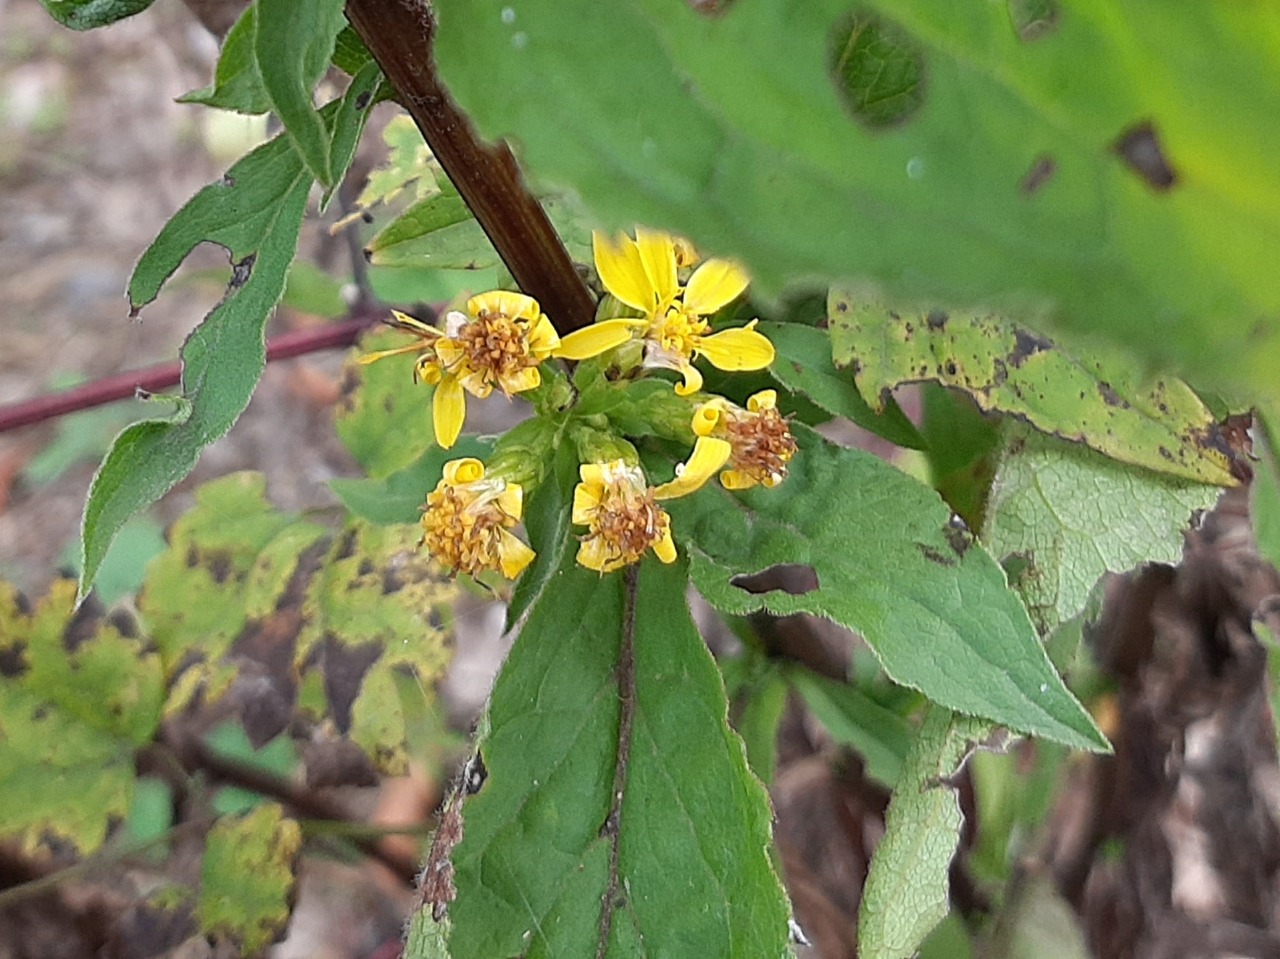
643	273
499	341
468	519
761	440
621	512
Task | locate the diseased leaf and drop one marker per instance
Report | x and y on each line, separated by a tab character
255	212
87	14
804	366
1159	425
292	44
1080	170
682	865
236	83
73	712
246	880
1061	515
906	893
889	564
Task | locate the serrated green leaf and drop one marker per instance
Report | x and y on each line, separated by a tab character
1106	404
906	893
236	83
399	497
1084	173
292	44
933	604
255	212
384	418
246	880
1065	515
692	874
881	736
804	366
88	14
72	716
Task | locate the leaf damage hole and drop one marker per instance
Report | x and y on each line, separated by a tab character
1033	19
794	579
878	68
242	271
1041	172
1026	345
1139	146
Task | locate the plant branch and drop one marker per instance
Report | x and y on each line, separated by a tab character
400	36
123	386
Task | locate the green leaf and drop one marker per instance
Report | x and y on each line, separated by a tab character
932	603
74	709
763	700
292	44
804	366
1036	922
384	418
246	880
139	541
1081	169
682	866
236	83
350	55
255	212
962	447
1160	425
881	736
906	893
1264	493
1061	515
399	497
87	14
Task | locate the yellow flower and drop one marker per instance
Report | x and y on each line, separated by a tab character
760	438
621	512
468	519
642	273
499	341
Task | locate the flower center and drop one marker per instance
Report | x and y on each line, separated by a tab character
762	444
629	522
678	331
495	343
462	531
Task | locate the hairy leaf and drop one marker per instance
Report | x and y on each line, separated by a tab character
255	212
1159	425
246	880
1081	167
87	14
75	705
1061	515
906	893
888	563
236	83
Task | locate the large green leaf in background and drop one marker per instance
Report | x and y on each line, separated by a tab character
1112	166
684	861
255	212
1060	515
932	603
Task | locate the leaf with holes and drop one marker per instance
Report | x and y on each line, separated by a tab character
1079	167
1160	425
1061	515
77	700
887	562
618	806
246	879
255	213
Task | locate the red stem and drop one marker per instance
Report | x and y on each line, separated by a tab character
122	386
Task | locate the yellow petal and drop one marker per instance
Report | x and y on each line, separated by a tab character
513	555
448	410
450	352
692	380
665	548
709	454
592	554
543	338
713	285
403	321
736	479
737	349
398	351
764	400
428	369
506	302
475	382
511	500
521	380
468	469
597	338
658	255
586	499
621	271
706	418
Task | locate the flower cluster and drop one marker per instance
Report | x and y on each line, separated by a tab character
501	341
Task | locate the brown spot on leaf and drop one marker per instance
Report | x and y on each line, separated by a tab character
1040	173
934	556
1139	147
1026	345
937	320
240	272
1110	396
13	662
344	670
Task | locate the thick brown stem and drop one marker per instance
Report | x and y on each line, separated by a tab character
399	34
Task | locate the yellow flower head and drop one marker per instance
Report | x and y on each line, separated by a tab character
643	273
761	440
499	341
468	519
621	512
